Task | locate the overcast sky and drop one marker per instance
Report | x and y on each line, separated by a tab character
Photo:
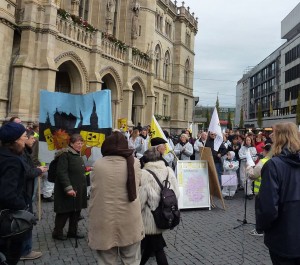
233	35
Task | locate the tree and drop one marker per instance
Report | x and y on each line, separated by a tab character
298	109
241	118
229	123
218	105
207	119
259	116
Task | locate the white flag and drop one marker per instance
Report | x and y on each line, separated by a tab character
215	127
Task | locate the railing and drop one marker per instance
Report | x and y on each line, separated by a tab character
113	49
140	62
73	31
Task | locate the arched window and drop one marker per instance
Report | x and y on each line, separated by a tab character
166	66
157	60
186	72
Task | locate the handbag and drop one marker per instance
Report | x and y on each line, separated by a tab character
15	223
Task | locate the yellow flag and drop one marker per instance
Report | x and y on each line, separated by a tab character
156	131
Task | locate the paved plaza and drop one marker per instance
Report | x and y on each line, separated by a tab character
204	237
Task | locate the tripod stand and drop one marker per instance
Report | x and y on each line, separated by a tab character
244	221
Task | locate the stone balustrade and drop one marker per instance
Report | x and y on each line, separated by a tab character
73	31
140	62
112	49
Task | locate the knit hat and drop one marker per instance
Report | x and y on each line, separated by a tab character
232	154
11	132
157	140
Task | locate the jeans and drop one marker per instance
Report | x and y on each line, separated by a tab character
219	169
27	244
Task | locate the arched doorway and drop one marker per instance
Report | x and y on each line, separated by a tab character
110	83
137	105
68	78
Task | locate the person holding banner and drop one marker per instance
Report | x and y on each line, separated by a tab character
183	149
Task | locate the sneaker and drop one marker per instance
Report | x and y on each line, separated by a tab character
254	233
250	197
32	255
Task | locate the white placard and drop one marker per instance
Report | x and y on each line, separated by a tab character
229	180
249	159
192	176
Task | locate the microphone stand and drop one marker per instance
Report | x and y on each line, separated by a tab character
244	221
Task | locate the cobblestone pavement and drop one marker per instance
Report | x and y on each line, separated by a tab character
204	237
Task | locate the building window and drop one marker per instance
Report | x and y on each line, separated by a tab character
185	110
165	105
166	66
84	9
157	60
156	102
186	73
292	73
188	39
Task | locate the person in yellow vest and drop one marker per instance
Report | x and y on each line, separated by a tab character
254	173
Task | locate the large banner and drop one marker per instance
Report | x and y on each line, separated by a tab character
63	114
193	182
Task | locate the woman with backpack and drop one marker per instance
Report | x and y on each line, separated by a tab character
149	193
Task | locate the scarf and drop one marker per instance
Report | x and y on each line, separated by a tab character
117	145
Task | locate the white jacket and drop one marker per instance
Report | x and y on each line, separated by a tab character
149	192
184	152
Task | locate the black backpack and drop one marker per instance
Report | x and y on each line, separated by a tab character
166	215
52	170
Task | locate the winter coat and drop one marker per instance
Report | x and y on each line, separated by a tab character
12	177
113	220
230	167
222	150
149	192
197	145
278	204
243	151
70	175
31	171
184	152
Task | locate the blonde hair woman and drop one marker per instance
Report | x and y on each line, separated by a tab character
278	201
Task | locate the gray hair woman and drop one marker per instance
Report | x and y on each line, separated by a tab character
184	149
149	193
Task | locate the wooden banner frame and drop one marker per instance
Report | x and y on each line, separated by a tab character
215	189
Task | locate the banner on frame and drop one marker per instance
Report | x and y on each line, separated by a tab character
192	176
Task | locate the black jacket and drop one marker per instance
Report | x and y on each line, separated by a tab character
31	171
222	150
12	170
278	204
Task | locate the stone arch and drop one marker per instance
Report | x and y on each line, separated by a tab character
138	80
73	64
117	93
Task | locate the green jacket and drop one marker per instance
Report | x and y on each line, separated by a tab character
70	175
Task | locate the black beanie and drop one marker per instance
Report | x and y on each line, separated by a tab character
157	140
11	132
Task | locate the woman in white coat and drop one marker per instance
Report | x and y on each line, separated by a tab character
184	149
149	193
248	146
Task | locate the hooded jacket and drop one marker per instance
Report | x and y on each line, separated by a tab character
278	204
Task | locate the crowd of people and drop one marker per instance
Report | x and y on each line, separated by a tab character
121	185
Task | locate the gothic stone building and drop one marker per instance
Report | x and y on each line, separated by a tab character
142	50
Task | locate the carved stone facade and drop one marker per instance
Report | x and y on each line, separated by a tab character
142	50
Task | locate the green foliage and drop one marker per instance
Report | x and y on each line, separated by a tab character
241	125
113	39
207	119
136	51
259	116
218	105
76	20
229	123
298	109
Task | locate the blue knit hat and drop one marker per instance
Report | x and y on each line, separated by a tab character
11	132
